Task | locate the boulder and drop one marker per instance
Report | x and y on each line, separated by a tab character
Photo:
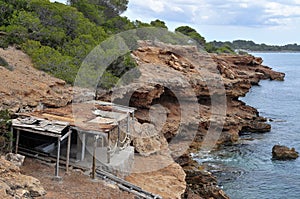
168	182
284	153
16	159
147	140
13	184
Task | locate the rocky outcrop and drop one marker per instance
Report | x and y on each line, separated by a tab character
16	159
171	78
147	140
168	182
174	78
284	153
15	185
200	183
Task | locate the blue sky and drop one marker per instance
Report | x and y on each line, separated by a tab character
274	22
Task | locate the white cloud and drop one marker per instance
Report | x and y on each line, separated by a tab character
154	5
278	9
177	9
243	5
224	19
219	12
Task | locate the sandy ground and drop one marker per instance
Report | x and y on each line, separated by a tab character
73	185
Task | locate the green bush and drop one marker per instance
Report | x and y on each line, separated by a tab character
107	80
210	48
4	63
225	49
3	42
5	134
51	61
158	24
188	31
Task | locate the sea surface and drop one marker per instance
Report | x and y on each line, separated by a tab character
246	170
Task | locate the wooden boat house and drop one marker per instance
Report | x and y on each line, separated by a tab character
88	134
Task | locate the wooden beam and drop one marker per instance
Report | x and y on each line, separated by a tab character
56	117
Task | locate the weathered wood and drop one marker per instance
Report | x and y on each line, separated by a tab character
17	141
124	188
68	150
94	158
61	118
38	132
57	158
40	126
127	185
68	134
83	146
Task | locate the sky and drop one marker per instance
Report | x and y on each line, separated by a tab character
274	22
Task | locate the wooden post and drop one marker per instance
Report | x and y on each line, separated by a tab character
68	151
108	148
57	158
11	139
79	145
17	141
128	120
94	158
118	144
83	146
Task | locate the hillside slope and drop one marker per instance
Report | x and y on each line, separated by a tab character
26	87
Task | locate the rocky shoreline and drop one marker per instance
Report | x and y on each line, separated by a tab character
238	74
171	66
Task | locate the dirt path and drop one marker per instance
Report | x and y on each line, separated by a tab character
73	185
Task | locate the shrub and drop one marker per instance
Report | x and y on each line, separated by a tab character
5	134
107	80
3	62
51	61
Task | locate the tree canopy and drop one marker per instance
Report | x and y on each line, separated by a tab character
252	46
58	37
188	31
107	8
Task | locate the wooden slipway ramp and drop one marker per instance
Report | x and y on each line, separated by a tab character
126	186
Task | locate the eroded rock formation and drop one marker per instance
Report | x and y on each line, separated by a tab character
172	79
15	185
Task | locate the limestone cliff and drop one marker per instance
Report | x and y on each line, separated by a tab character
172	79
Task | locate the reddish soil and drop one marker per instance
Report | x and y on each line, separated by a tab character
73	185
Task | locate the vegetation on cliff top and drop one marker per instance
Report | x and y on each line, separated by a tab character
251	46
58	37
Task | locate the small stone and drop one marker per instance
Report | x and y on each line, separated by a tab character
16	159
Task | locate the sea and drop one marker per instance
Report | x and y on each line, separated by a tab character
246	170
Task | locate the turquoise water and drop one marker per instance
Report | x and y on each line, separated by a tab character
246	170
